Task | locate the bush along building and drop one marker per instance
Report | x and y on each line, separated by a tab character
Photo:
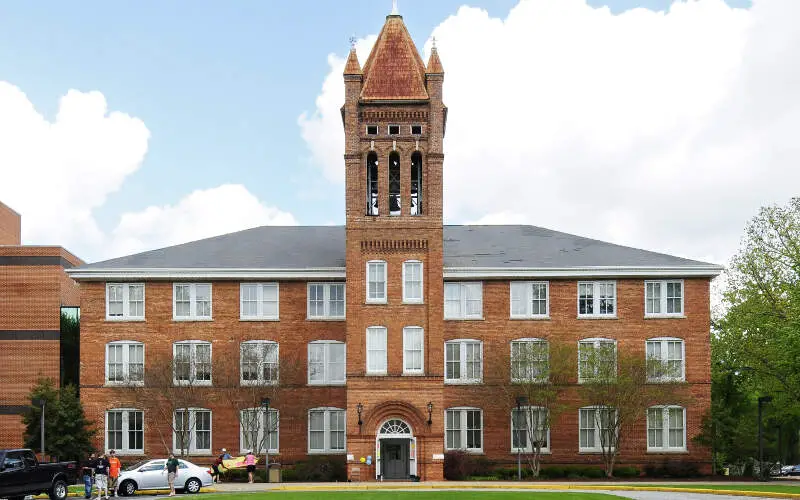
393	340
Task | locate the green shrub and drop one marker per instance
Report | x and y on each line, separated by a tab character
505	473
672	468
288	475
625	472
459	465
321	468
553	472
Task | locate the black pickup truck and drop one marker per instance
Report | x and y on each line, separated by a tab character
21	474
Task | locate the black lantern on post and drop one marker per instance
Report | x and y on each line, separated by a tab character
265	404
430	413
359	409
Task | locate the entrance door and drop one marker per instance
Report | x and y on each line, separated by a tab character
394	458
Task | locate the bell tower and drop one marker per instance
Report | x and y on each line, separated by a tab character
394	121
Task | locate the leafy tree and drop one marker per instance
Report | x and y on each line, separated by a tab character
70	346
68	434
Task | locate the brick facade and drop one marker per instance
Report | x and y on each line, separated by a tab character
411	98
10	226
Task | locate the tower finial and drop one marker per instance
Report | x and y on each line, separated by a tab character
395	12
433	41
353	41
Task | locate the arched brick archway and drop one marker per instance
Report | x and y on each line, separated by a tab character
396	425
397	409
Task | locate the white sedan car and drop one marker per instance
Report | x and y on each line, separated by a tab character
151	475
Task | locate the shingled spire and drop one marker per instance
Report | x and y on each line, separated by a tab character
434	63
352	67
394	69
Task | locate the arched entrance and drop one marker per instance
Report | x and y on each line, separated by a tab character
395	450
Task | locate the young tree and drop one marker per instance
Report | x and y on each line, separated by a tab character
619	387
537	378
68	434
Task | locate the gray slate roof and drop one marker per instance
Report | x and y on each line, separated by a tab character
305	247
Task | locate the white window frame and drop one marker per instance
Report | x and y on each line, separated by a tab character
261	438
664	350
663	299
260	380
260	315
528	448
596	300
463	428
527	286
463	380
421	298
193	316
126	345
326	362
366	129
389	129
382	299
373	351
125	449
529	341
327	450
126	314
191	448
407	330
462	298
193	363
326	287
596	342
665	430
597	448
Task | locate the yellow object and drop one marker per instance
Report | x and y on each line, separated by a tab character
363	460
234	463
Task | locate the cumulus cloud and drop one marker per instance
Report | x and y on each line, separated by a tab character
57	174
663	130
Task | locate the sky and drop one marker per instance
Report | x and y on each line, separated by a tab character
128	126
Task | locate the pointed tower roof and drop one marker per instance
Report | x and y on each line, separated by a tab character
394	69
434	63
352	67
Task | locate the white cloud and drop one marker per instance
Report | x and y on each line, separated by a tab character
662	130
201	214
57	174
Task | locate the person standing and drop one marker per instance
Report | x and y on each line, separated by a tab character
172	470
114	467
250	462
101	467
87	471
215	467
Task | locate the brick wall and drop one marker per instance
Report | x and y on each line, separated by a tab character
10	226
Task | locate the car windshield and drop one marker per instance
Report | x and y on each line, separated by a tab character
136	465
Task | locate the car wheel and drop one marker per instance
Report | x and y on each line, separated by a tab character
127	488
193	485
59	490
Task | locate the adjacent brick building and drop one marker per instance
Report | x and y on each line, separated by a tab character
382	338
33	289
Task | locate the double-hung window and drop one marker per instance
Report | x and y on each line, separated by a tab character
191	301
412	282
530	360
326	362
597	299
192	431
597	359
326	301
376	350
376	282
258	301
596	429
463	362
665	357
259	362
124	363
254	429
530	428
125	431
124	301
192	362
530	300
663	298
666	428
464	429
463	300
413	349
326	430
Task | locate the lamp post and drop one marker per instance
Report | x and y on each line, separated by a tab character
40	402
430	413
521	400
265	405
761	402
359	409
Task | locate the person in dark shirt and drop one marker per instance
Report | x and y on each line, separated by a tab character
101	466
87	471
172	470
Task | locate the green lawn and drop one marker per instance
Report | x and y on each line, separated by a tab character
417	495
771	487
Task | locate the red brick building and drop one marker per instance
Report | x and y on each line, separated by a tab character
33	289
382	338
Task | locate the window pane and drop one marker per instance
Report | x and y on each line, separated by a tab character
203	300
655	432
337	300
473	365
519	299
452	300
336	362
115	300
539	299
586	298
316	301
376	349
316	362
474	299
136	362
453	361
